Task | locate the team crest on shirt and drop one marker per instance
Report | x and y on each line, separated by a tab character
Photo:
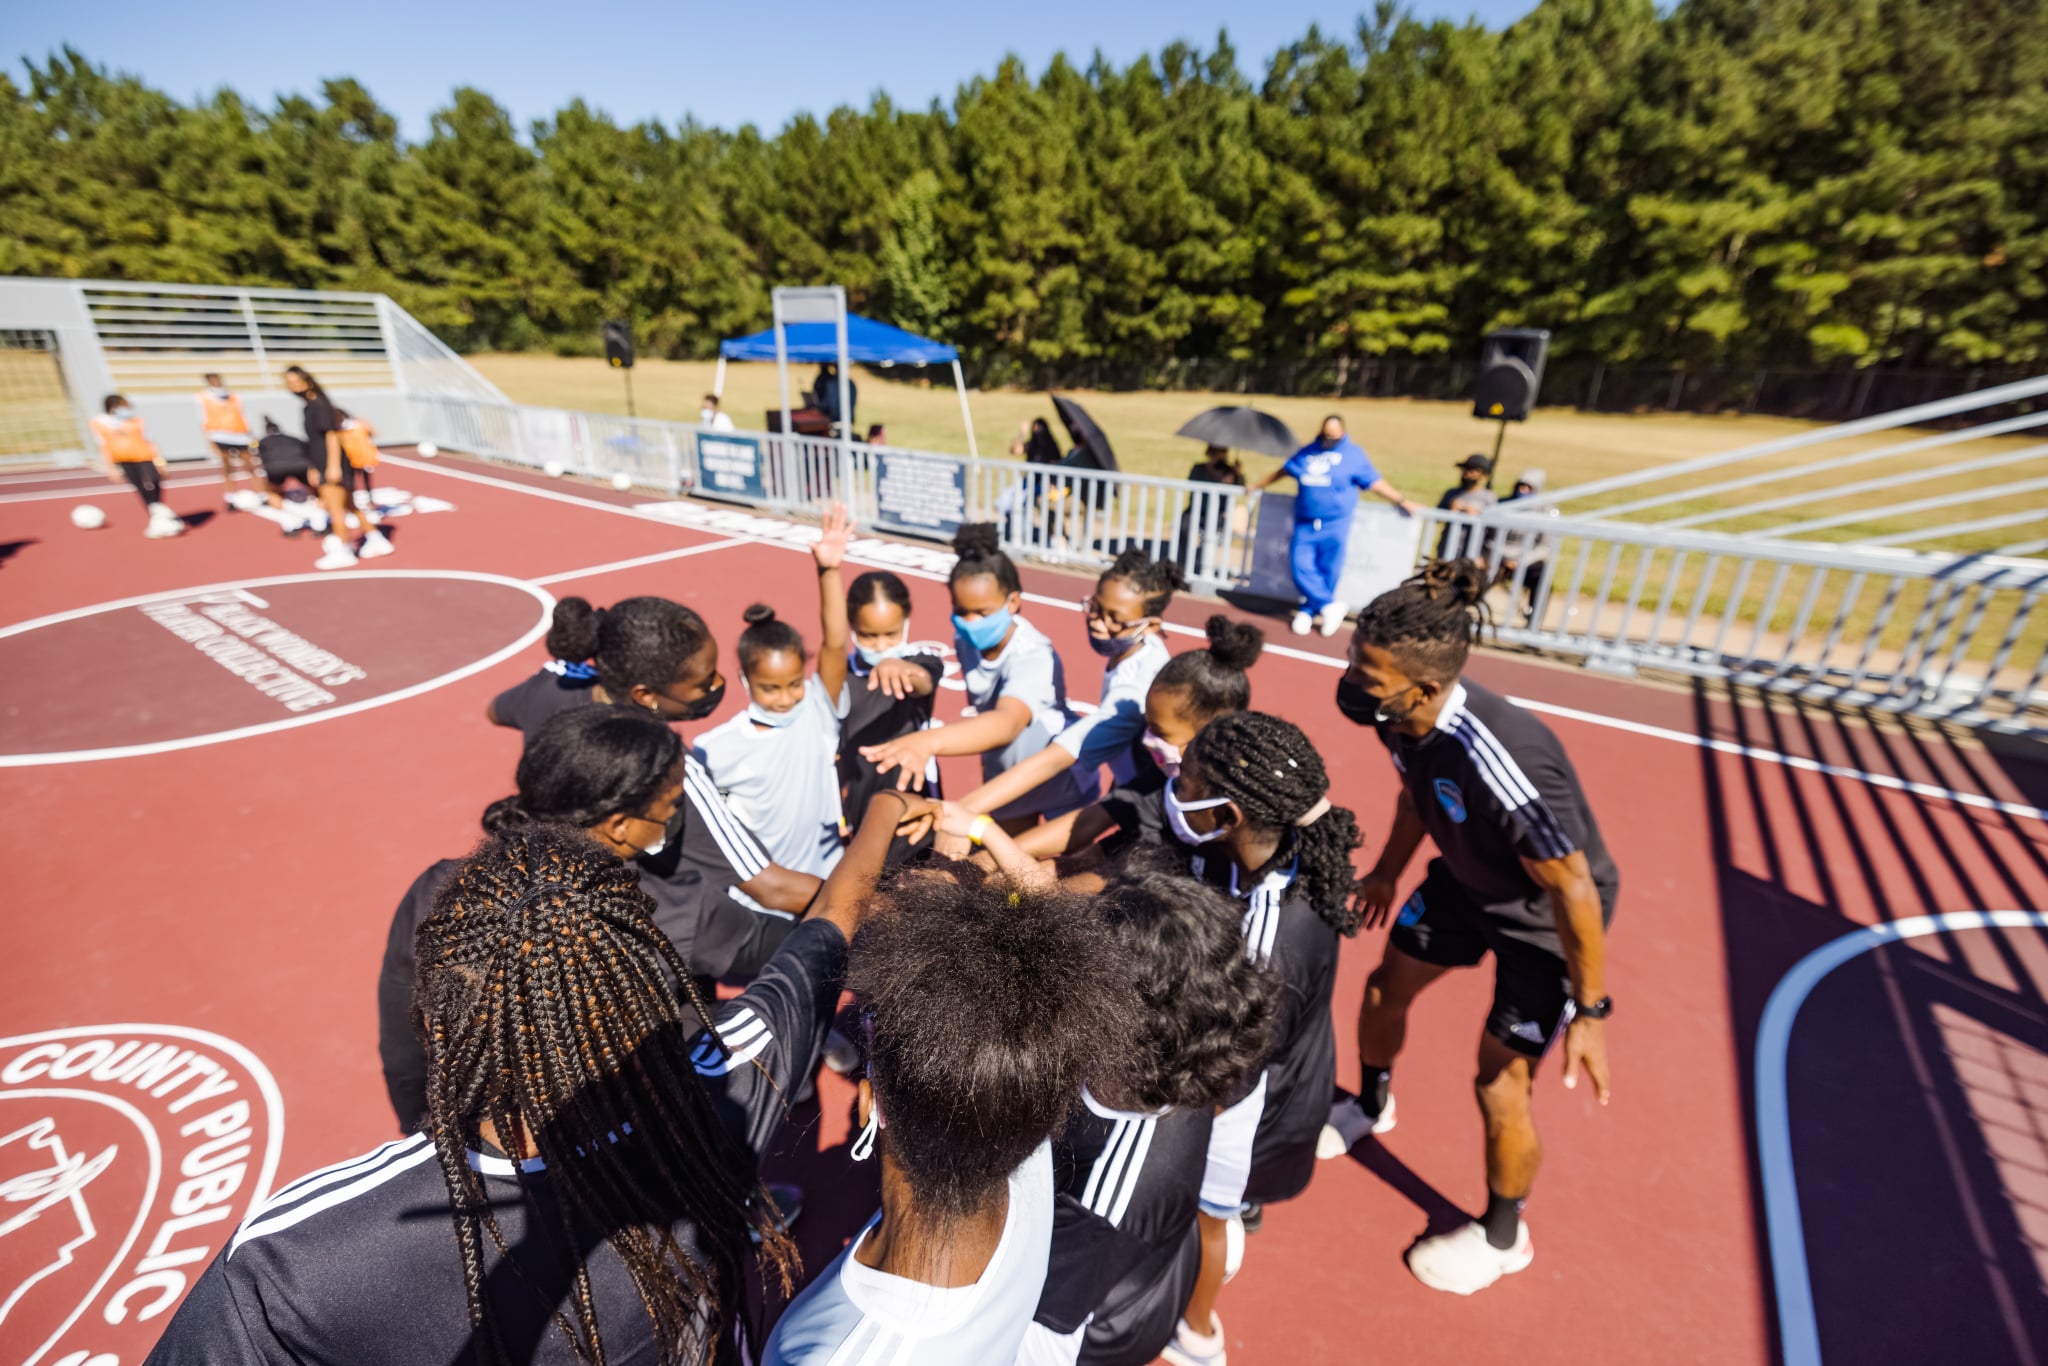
1450	799
128	1155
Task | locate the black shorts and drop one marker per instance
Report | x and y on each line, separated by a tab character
143	475
1532	992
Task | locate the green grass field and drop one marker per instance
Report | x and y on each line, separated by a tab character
1414	443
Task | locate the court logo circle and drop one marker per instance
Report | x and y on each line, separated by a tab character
200	666
128	1155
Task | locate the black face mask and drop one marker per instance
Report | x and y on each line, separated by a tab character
1360	707
703	706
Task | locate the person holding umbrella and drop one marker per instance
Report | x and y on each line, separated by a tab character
1328	472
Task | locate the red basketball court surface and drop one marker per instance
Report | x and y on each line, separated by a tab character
219	770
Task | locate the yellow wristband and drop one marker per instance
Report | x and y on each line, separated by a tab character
976	826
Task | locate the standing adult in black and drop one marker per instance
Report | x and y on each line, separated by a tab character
1522	874
338	477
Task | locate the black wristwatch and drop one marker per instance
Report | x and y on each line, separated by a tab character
1596	1010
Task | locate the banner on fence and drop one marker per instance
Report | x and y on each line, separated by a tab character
919	495
1382	552
730	465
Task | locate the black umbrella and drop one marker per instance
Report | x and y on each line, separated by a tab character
1242	429
1091	447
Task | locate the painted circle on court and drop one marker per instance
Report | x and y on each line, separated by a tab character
218	662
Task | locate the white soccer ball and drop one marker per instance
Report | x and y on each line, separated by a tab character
622	481
428	450
553	469
86	517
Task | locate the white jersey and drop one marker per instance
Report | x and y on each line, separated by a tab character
783	782
1028	669
854	1315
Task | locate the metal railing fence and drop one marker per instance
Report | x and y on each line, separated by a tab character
1049	513
1954	638
1945	637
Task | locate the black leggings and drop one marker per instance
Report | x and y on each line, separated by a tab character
143	474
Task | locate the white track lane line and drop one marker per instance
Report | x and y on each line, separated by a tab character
1765	756
1798	1330
110	488
658	558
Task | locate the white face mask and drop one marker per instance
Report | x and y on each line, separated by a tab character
123	413
1165	755
1176	815
870	658
774	720
220	392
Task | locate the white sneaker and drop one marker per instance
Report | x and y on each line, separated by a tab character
1302	621
374	545
162	523
1348	1123
1463	1262
1333	619
1190	1348
335	554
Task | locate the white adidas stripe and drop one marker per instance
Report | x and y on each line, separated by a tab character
329	1175
1511	787
734	840
1134	1169
402	1163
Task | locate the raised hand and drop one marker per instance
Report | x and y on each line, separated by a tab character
829	550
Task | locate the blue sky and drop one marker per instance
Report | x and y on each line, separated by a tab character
727	64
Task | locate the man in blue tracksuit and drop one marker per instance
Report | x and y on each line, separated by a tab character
1328	472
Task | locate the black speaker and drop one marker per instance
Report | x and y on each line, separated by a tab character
1510	373
618	344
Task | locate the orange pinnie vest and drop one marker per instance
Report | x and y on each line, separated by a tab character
222	414
123	440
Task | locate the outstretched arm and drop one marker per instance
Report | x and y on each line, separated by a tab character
851	886
1393	495
1377	890
829	550
1007	786
976	735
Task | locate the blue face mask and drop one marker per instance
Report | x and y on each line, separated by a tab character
870	658
985	634
1110	647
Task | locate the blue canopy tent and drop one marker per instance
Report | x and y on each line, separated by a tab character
866	341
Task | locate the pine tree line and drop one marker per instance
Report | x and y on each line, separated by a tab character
1734	183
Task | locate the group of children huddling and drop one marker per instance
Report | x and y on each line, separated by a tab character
1091	1034
331	467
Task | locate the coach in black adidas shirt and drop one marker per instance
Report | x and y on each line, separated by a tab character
1522	874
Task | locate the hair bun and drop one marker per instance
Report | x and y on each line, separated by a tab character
1462	581
759	614
1234	644
978	539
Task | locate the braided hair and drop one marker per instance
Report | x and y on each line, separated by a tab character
1269	768
979	548
1154	580
587	763
765	634
645	641
1430	623
1212	681
542	1000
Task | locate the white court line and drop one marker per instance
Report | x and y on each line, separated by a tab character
110	487
1798	1330
1767	756
8	481
638	560
79	756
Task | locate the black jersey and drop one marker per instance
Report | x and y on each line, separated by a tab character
1139	806
282	455
527	705
357	1264
1285	935
691	883
1125	1248
875	718
1493	786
